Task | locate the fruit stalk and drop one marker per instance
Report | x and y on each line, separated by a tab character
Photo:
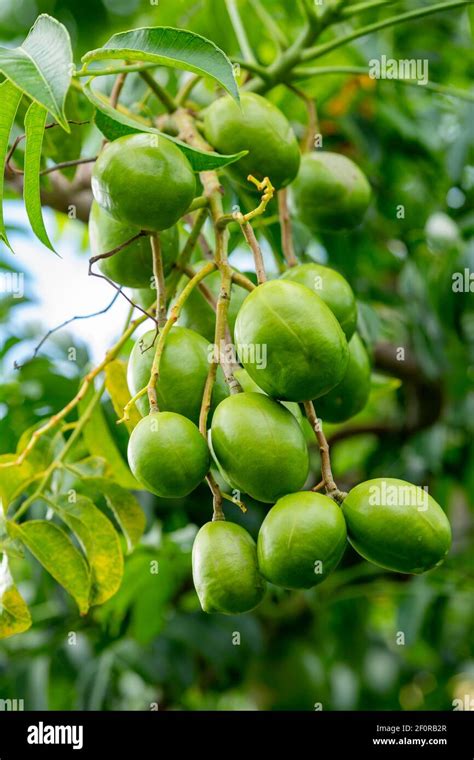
326	470
286	233
252	241
217	511
159	278
219	340
173	317
188	248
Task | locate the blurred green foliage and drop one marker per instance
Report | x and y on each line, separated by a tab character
366	639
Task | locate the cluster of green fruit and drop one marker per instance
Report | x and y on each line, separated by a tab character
296	340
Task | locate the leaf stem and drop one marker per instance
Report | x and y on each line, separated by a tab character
239	30
316	52
85	72
161	93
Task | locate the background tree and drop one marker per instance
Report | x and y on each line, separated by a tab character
365	639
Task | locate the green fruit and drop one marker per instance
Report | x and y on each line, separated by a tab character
144	180
168	455
198	314
301	540
259	127
397	525
351	395
290	342
225	570
249	385
330	192
133	265
184	367
332	287
259	446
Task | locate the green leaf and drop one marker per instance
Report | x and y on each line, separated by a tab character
167	46
10	97
100	543
42	66
124	506
14	479
35	121
53	548
14	614
117	388
114	124
100	443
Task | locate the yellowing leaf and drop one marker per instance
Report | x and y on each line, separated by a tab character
117	387
100	543
14	613
53	548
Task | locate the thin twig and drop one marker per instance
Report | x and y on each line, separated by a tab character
59	327
85	417
111	354
286	230
115	250
331	488
173	317
159	278
243	281
66	164
117	89
20	139
252	241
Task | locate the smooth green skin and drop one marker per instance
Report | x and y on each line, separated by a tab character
143	180
247	384
168	455
405	539
225	570
300	530
330	192
332	287
306	348
133	265
259	127
184	367
198	314
259	446
351	395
